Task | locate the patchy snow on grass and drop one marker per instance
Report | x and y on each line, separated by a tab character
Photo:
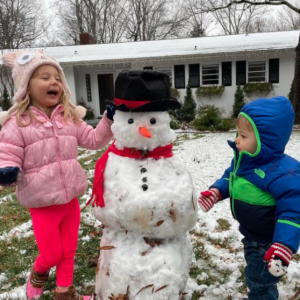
218	259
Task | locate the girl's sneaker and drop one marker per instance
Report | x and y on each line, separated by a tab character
35	284
71	294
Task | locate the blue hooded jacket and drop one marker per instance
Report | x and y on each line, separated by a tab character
264	187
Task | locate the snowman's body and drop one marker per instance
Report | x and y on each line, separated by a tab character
149	208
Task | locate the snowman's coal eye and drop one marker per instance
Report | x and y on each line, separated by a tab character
152	121
130	121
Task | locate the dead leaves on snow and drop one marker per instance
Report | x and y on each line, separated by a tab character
153	291
120	296
159	223
106	247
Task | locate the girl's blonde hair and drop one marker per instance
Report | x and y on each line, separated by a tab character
243	122
69	110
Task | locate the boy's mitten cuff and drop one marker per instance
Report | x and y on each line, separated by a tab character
8	175
279	257
208	198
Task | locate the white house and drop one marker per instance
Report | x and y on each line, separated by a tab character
218	60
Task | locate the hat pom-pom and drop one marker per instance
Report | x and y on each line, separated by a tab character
80	111
9	58
4	116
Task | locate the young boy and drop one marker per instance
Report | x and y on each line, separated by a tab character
263	184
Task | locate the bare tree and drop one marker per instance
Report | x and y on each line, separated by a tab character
112	22
262	24
21	23
254	3
197	23
103	19
152	20
235	18
289	19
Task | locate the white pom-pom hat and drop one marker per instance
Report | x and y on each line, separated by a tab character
23	64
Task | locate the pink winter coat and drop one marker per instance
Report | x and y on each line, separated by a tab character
47	155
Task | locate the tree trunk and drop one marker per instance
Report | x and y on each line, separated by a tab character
296	96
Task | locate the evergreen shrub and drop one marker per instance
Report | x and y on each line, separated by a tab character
5	101
188	109
239	102
210	117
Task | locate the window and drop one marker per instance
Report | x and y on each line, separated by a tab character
226	73
148	68
274	70
167	70
210	74
241	72
257	71
179	76
194	75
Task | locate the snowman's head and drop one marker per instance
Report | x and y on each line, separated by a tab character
142	130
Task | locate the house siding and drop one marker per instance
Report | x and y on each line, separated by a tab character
225	102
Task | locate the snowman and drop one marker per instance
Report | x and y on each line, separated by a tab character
144	197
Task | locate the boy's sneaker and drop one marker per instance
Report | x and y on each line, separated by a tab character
71	294
35	284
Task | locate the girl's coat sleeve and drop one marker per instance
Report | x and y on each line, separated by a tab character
97	138
11	145
222	184
286	191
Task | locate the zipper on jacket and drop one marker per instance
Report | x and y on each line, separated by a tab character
57	148
58	160
231	180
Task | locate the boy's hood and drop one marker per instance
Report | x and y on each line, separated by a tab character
274	119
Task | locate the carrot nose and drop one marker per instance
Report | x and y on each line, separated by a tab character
145	132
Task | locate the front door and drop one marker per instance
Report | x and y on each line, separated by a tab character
106	89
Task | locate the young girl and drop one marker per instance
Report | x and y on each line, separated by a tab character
39	140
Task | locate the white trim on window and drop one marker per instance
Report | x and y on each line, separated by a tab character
257	71
210	74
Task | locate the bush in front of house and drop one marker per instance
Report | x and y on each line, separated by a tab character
89	115
188	109
174	124
5	101
210	117
239	102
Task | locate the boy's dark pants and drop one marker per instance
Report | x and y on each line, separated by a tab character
261	283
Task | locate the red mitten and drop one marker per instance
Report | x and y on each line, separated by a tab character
208	198
279	257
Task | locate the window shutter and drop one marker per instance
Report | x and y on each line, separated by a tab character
241	72
194	75
179	76
226	73
274	70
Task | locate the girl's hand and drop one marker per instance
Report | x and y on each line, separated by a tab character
10	176
110	111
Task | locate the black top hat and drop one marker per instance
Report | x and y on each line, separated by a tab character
142	91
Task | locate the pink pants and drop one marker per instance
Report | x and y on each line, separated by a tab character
56	232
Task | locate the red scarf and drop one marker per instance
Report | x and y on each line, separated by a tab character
157	153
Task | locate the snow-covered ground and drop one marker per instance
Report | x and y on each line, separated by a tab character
207	158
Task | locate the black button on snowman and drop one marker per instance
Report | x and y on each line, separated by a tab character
149	202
